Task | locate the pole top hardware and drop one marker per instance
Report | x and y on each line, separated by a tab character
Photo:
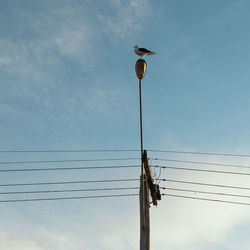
140	68
154	188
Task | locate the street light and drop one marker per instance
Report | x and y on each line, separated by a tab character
140	69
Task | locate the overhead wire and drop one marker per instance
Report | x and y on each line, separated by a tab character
204	170
70	151
205	199
66	182
198	153
205	192
67	168
68	198
80	160
201	163
122	180
115	196
206	184
123	150
68	190
119	167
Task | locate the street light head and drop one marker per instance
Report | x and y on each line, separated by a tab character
140	68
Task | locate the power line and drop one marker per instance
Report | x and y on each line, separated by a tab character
69	198
70	151
198	153
205	184
64	182
68	190
201	162
205	192
205	199
66	168
204	170
122	159
81	160
122	150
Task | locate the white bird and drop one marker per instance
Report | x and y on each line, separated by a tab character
142	51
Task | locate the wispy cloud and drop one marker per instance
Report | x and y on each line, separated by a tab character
40	238
191	224
41	69
62	230
58	47
175	223
127	17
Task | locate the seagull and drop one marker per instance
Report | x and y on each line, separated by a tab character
142	52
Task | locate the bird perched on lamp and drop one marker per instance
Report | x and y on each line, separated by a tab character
142	51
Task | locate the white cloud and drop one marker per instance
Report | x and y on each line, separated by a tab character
176	223
121	234
76	226
5	60
191	224
38	239
127	18
70	41
35	68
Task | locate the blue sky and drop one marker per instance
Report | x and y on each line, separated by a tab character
67	81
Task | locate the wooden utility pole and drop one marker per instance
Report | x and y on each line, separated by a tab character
144	214
146	185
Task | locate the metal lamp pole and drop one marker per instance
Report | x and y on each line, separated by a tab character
140	68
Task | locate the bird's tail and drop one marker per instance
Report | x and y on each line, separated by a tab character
151	53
